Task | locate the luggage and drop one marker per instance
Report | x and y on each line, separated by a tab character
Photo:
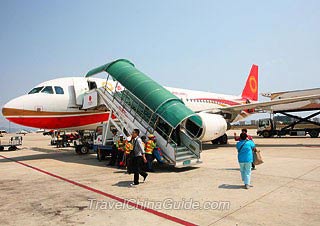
158	155
257	158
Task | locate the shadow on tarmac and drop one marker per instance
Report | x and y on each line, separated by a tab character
235	169
89	159
65	156
125	183
231	186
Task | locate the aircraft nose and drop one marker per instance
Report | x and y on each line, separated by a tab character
12	108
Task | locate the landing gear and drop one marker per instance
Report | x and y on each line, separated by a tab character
221	140
215	141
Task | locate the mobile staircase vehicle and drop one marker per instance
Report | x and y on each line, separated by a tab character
136	101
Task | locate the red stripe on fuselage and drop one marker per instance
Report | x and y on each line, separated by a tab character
60	122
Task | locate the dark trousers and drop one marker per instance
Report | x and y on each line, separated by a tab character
138	169
129	163
114	154
119	157
150	159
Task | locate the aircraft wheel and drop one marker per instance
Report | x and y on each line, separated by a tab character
223	139
215	141
314	133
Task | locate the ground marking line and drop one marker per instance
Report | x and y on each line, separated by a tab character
152	211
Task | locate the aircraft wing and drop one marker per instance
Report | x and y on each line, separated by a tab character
268	104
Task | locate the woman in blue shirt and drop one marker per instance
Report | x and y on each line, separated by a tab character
245	149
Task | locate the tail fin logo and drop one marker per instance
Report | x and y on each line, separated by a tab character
250	90
253	84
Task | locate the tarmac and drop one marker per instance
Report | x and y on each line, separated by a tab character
44	185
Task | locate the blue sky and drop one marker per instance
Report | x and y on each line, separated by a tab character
201	45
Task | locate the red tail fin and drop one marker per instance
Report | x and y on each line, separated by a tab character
250	91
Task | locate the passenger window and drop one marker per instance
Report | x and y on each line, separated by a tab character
47	89
36	90
58	90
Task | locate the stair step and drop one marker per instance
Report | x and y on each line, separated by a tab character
185	157
181	149
184	153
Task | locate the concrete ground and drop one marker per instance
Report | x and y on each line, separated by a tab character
49	186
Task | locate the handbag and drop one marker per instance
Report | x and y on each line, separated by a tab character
257	158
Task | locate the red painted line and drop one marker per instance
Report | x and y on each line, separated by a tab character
152	211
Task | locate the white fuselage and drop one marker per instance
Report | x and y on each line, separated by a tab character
56	104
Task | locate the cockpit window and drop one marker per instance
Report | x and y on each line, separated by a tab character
36	90
47	89
58	90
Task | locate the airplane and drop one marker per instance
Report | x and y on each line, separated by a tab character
56	104
295	107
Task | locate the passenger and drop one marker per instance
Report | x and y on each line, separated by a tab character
120	148
59	140
139	157
150	146
128	153
144	140
244	130
245	149
114	151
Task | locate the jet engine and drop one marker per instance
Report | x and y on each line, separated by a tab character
213	126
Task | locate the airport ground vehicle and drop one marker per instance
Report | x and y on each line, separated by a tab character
62	137
84	143
295	125
13	143
103	150
92	140
268	127
24	132
2	132
48	133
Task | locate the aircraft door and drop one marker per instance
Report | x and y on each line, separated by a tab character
80	87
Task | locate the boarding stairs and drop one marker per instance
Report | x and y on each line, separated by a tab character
128	112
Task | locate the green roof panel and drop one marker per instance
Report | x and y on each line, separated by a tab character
155	96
